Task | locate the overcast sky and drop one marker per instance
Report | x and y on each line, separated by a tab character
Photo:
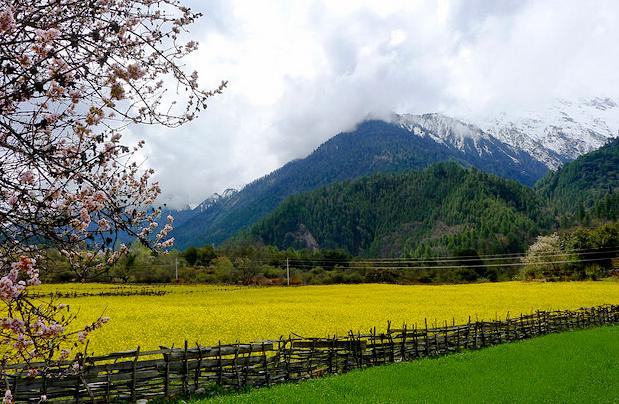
299	72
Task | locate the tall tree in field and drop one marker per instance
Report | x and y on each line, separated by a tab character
74	74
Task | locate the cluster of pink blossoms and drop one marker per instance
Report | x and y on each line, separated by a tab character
12	284
73	76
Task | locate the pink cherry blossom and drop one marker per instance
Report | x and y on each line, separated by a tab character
7	21
27	177
71	87
8	397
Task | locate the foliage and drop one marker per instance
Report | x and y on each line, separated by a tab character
74	75
436	212
586	189
208	314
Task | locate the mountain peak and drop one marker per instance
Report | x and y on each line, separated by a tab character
215	199
558	132
441	128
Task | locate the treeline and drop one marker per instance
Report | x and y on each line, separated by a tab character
581	253
254	264
574	255
238	263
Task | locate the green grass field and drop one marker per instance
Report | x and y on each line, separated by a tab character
575	367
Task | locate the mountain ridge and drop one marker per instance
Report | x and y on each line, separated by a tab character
445	209
410	142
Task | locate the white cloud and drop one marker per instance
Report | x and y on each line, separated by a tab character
301	71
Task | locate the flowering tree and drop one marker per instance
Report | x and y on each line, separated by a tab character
547	259
74	74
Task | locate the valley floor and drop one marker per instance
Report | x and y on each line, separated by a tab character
207	314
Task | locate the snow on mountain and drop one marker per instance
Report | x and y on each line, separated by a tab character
451	132
558	133
552	135
440	128
215	199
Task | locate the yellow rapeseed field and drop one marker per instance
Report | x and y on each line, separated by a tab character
208	314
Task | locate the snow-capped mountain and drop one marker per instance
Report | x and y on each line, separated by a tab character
467	139
552	135
516	145
214	199
559	132
441	128
447	131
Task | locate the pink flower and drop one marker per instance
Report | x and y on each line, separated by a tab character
64	354
85	215
7	22
9	289
27	177
13	324
8	397
104	224
99	196
13	200
168	243
134	72
47	36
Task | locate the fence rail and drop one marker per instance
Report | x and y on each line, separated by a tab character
177	372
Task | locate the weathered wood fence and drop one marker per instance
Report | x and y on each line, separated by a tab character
176	372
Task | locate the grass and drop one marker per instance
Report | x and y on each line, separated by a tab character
208	314
575	367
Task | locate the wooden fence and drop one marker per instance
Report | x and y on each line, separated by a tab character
186	371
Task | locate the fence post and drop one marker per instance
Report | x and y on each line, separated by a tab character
108	383
166	382
198	369
287	356
445	341
374	357
235	366
185	371
330	359
220	369
403	353
426	343
265	366
133	371
77	389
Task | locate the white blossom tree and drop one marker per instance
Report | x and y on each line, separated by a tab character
73	75
546	259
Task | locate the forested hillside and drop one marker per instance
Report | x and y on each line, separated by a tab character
373	147
443	210
585	189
